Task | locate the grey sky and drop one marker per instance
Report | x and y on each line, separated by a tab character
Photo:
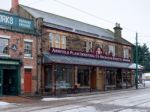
133	15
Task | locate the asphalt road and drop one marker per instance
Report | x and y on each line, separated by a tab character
129	100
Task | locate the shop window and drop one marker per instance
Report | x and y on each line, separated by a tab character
4	50
28	49
83	77
48	78
64	76
126	53
111	50
110	77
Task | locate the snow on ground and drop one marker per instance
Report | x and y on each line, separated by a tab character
55	99
4	103
147	83
83	109
133	110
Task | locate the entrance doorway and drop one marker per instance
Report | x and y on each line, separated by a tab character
10	82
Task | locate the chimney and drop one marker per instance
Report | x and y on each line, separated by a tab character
117	31
14	6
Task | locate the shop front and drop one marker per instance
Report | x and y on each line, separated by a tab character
65	73
9	77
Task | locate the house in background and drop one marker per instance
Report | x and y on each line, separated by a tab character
73	55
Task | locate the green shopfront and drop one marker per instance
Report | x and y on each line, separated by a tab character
9	76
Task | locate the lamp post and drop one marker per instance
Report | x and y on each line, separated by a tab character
136	74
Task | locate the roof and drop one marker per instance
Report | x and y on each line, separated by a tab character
64	59
56	21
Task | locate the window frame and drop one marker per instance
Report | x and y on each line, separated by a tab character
27	55
111	49
8	39
126	53
58	40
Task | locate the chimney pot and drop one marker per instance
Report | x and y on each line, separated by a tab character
14	4
117	31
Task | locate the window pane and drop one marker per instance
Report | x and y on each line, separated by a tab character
63	39
126	53
28	49
4	46
57	41
63	42
112	50
51	38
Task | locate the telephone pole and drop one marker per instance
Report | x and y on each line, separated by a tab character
136	74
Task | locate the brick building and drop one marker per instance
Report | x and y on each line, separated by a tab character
73	56
18	73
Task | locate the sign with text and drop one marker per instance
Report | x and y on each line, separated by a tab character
16	21
87	55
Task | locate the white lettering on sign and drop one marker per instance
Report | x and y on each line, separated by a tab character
24	23
6	19
88	55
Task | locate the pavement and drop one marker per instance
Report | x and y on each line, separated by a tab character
125	100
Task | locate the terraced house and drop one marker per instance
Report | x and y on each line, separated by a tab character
74	56
17	55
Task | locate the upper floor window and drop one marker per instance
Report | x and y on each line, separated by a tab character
88	46
57	41
111	50
4	50
126	53
51	39
63	42
28	49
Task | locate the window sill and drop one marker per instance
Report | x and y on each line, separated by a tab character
28	57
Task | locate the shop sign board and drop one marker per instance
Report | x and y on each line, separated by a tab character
9	62
87	55
16	21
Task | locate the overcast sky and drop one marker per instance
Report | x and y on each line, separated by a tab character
133	15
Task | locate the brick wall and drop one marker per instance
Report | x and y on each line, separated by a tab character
18	39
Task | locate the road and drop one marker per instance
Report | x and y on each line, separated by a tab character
129	100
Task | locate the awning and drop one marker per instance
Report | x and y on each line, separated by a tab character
64	59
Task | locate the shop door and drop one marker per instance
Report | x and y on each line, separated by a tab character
10	82
27	81
1	82
93	79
